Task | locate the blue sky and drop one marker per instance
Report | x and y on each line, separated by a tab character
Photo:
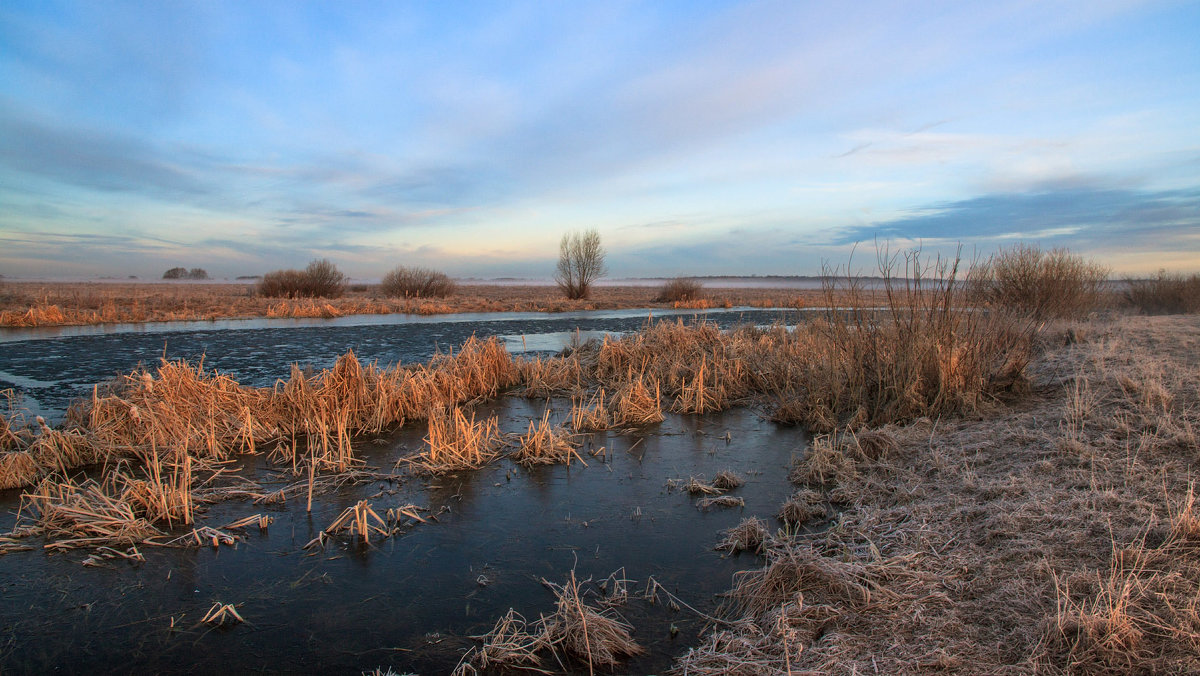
697	137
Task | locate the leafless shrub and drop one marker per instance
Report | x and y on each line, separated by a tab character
580	263
1164	294
1044	284
320	279
679	289
415	282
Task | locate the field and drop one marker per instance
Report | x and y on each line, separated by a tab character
75	303
984	492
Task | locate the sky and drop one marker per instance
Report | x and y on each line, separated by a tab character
697	137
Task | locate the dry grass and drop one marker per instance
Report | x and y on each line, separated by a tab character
982	544
68	303
727	480
720	501
544	445
581	632
750	535
575	632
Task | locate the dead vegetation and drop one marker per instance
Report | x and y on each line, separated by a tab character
983	543
73	303
545	445
575	633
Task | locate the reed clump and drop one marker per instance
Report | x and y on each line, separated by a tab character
456	441
750	535
584	633
543	444
180	409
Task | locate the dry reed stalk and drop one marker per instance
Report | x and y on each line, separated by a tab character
543	445
750	535
359	521
202	537
259	520
695	486
100	555
581	632
18	468
720	501
221	615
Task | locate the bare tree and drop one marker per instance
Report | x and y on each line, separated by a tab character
580	263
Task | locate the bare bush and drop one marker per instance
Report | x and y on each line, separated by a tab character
1164	294
1043	284
413	282
580	263
679	289
184	273
320	279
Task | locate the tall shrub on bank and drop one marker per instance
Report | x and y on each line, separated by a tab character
580	263
413	282
1042	284
320	279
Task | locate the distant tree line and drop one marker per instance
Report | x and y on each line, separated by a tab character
184	273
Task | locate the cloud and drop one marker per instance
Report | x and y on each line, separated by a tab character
1098	218
87	158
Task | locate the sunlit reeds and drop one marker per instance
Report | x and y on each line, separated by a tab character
543	444
456	441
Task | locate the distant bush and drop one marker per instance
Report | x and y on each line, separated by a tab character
1043	284
679	289
416	283
184	273
1164	294
320	279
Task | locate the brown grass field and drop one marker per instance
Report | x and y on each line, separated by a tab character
992	494
81	303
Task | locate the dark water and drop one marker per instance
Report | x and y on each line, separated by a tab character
49	370
411	601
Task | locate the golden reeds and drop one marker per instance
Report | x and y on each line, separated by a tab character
579	631
457	442
543	445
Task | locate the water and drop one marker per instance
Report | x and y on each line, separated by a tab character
411	601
